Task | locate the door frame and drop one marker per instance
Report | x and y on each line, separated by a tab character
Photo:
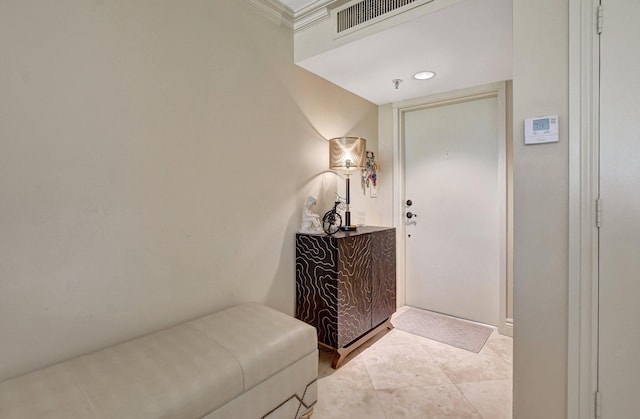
582	356
399	110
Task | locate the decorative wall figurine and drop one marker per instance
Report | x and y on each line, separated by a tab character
370	175
310	221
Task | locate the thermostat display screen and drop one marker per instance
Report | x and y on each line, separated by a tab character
540	130
541	124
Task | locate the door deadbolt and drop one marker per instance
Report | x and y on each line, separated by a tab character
409	202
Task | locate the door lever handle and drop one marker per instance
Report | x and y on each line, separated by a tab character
411	215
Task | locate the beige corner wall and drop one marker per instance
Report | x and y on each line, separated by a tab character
154	159
385	145
540	87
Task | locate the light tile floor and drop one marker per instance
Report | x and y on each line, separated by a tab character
400	375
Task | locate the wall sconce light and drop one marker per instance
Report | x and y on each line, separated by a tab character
347	153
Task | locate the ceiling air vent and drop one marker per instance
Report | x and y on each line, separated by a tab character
367	10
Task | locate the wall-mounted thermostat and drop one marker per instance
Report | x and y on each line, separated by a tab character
540	130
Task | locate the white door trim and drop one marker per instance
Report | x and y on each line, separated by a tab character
498	90
583	191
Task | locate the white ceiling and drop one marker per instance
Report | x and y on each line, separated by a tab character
466	44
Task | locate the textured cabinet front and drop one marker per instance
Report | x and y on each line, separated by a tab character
317	285
345	284
383	287
354	287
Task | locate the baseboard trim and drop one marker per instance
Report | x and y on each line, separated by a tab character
508	327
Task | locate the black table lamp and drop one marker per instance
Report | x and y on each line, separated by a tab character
347	153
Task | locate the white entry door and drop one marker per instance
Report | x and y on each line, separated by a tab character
452	238
619	276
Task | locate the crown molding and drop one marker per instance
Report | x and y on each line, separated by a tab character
304	20
312	14
273	10
299	19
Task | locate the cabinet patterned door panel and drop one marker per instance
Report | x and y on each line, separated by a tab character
383	256
354	288
317	286
346	283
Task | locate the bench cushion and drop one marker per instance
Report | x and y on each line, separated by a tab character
186	371
46	393
178	372
263	341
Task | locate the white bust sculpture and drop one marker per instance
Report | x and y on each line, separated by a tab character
310	221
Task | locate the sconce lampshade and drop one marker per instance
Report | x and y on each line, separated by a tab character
347	153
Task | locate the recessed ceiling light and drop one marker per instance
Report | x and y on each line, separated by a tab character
424	75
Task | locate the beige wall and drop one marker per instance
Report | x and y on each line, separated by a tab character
385	147
540	87
154	159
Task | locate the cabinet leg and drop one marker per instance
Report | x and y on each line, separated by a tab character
338	358
342	353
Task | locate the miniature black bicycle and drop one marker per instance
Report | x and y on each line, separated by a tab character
332	220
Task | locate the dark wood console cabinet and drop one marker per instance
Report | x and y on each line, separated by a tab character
346	285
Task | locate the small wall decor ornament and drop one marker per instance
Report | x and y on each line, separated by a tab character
310	221
370	175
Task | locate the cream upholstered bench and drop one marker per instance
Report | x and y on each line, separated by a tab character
248	361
